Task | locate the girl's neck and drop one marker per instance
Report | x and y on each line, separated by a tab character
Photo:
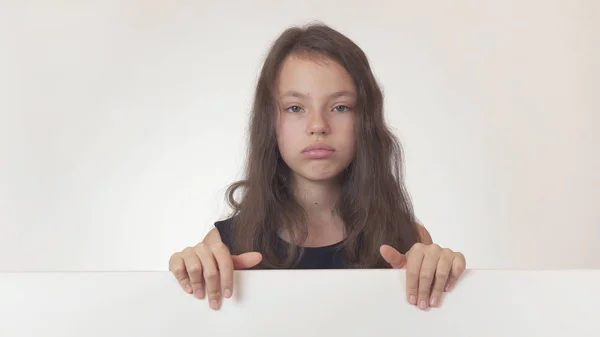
317	198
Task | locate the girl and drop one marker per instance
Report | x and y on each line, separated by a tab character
323	187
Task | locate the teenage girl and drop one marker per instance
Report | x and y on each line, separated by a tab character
323	186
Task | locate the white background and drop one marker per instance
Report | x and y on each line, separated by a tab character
122	122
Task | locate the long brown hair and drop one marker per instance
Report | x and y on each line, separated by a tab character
374	205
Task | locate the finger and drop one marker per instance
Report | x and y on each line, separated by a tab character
414	259
246	260
225	267
396	259
211	276
442	273
193	266
177	268
426	278
458	268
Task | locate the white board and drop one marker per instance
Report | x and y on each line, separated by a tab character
299	303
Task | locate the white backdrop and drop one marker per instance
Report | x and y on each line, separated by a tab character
122	122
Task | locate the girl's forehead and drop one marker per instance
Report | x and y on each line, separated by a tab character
305	76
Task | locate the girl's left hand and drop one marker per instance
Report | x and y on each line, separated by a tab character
430	271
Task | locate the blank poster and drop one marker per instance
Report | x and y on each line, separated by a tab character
345	303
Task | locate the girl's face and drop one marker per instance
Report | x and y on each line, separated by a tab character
315	120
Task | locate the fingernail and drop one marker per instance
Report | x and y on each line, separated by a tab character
188	288
413	300
227	293
422	305
214	304
199	294
434	301
448	286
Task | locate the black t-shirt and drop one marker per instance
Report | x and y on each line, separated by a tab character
326	257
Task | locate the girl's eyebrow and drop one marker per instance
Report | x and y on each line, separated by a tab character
338	94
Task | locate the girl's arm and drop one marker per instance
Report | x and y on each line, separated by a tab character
212	237
424	235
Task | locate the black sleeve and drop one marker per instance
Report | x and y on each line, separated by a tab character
226	232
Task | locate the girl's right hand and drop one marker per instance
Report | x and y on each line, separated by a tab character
206	270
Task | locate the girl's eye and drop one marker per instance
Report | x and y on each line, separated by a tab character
342	108
294	109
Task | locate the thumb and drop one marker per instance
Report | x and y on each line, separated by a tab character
396	259
246	260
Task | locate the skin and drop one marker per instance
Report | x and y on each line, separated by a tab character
316	98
